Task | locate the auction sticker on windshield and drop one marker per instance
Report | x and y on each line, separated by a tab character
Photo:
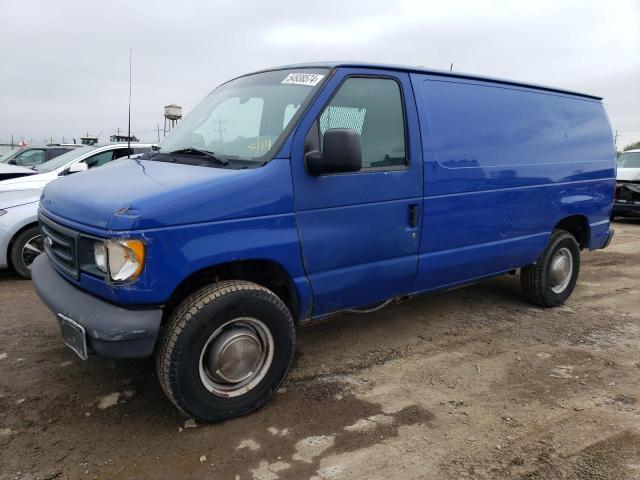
310	79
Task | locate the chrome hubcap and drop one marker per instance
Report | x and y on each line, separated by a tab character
236	357
561	270
31	250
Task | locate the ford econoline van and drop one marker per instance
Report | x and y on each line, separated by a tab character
294	193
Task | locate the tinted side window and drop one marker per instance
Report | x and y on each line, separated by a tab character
122	152
56	152
29	158
373	108
99	159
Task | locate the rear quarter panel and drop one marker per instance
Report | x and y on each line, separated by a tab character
503	165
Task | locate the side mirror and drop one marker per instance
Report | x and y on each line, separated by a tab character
77	167
341	153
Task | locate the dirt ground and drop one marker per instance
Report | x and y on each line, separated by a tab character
472	383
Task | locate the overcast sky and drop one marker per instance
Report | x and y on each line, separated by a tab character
64	64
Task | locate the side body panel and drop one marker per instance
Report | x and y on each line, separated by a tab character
357	242
503	165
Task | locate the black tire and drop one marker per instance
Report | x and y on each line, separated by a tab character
18	262
536	279
189	328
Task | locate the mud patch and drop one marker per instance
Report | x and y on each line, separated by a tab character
326	429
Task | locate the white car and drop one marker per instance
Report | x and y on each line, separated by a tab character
73	161
20	240
627	202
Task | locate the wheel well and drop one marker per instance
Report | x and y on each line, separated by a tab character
578	226
13	239
267	273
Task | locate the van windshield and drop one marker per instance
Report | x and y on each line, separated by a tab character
244	118
629	160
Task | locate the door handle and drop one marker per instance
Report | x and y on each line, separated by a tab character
413	216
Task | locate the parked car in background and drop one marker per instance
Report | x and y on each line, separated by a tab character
13	171
20	239
627	202
30	156
5	157
76	160
335	187
20	162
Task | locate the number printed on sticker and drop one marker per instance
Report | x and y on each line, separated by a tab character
310	79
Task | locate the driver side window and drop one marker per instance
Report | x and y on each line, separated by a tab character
373	108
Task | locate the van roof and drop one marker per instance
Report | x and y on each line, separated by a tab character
431	71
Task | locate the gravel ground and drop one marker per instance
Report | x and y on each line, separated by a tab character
472	383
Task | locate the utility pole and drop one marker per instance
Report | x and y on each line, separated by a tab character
220	129
451	67
129	124
12	141
615	139
158	130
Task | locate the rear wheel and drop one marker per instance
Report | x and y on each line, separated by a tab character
226	350
551	280
26	247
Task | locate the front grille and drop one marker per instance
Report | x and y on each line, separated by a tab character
60	244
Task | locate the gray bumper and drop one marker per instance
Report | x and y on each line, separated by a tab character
112	331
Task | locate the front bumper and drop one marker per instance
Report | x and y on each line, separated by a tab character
626	209
112	331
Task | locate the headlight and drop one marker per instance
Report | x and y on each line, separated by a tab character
121	259
100	256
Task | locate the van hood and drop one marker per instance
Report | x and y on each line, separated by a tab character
628	174
142	194
8	171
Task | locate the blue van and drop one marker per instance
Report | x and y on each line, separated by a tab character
290	194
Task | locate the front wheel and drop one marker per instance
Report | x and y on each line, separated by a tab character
24	250
551	280
226	350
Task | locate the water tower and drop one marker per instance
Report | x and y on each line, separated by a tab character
173	113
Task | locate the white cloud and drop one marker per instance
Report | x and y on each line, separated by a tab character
67	72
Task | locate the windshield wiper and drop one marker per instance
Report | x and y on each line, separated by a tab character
204	153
